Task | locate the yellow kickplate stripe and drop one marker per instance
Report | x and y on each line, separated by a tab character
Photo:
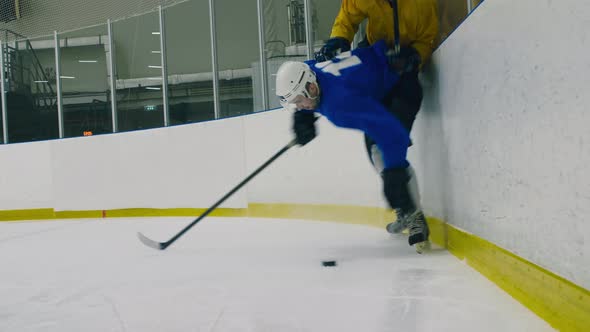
49	214
78	214
361	215
558	301
30	214
176	212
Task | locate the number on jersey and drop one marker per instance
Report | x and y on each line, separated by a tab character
347	60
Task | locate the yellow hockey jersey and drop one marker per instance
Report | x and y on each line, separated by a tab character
418	22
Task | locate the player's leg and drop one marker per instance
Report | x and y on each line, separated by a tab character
404	102
392	139
398	186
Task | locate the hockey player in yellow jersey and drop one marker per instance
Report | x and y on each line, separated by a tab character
418	23
410	24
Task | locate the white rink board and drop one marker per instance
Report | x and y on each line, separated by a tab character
179	167
503	137
25	176
332	169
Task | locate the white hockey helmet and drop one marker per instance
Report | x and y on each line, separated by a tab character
292	79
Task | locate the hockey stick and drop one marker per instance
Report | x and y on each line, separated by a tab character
163	245
396	45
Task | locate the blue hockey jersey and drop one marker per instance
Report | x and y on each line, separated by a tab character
352	88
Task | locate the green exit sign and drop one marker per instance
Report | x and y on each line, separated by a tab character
150	108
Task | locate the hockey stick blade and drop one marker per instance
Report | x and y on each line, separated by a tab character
151	243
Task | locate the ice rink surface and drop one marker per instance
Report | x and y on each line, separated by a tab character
232	274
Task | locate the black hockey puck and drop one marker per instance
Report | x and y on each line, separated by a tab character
329	263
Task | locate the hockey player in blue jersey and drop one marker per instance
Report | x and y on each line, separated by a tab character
349	90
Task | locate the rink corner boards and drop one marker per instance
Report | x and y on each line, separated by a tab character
558	301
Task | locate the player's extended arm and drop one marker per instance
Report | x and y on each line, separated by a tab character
348	20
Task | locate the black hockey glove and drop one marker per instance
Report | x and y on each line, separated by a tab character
304	127
332	48
408	60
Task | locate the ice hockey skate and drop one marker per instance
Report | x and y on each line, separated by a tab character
396	227
417	227
419	232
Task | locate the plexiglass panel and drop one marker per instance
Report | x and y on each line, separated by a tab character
84	77
189	62
31	78
285	37
323	15
139	72
238	55
31	90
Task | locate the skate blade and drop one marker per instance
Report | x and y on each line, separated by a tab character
422	246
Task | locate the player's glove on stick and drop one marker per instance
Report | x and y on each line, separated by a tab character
304	127
407	61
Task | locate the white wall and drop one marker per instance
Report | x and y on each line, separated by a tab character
189	166
25	179
332	169
186	166
503	139
179	167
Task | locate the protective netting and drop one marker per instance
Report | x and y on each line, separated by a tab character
32	18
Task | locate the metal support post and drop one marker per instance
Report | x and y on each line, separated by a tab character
262	55
113	77
60	115
214	65
308	29
164	67
3	89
